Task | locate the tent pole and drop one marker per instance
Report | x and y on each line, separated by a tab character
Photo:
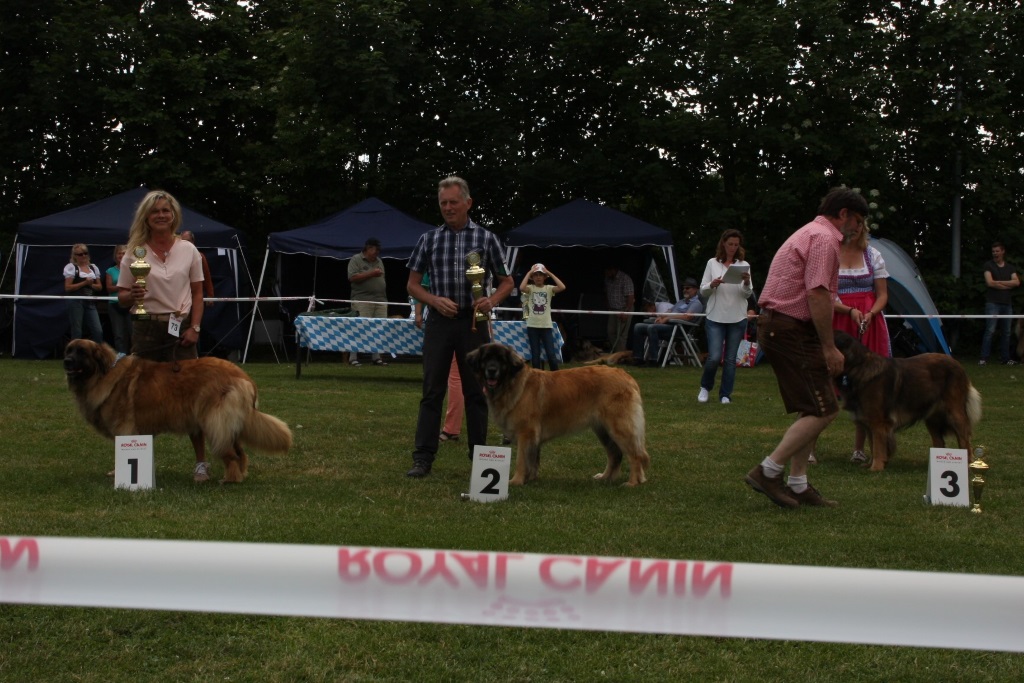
669	253
255	304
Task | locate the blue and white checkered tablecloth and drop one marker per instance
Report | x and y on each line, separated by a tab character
394	335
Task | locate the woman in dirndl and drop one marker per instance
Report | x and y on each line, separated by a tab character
863	295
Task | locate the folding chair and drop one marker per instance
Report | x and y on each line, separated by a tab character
685	351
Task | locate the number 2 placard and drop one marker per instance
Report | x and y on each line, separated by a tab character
489	481
948	482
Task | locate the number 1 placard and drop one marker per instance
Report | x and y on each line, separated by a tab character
133	462
489	481
948	482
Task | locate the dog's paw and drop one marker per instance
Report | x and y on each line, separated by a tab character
516	481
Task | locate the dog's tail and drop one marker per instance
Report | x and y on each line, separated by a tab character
973	406
266	433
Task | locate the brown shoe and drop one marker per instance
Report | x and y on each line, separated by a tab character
810	496
772	487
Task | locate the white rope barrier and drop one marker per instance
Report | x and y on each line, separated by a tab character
506	309
684	597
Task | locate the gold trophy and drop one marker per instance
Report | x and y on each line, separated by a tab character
140	269
978	467
475	274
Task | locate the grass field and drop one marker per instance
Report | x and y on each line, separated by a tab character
344	483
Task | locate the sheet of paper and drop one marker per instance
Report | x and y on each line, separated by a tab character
734	274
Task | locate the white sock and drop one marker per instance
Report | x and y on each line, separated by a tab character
771	468
798	484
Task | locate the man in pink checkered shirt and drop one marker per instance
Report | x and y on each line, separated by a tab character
795	332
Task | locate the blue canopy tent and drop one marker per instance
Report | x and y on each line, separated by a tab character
43	247
576	240
908	295
298	253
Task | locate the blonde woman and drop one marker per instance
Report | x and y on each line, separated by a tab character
82	278
174	286
173	295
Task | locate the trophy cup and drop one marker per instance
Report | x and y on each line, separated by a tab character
475	274
978	467
140	269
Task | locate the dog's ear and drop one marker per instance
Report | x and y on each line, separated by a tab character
473	359
515	361
843	340
103	355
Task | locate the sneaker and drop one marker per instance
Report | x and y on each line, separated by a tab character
1010	362
419	470
725	401
772	487
354	363
380	361
201	472
810	496
982	362
859	457
702	396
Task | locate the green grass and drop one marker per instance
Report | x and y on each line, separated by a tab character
344	483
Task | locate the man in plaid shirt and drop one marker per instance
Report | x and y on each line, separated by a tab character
448	329
795	332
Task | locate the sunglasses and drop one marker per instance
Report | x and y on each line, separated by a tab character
81	253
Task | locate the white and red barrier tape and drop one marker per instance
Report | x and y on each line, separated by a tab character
734	600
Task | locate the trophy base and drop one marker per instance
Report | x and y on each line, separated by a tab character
141	316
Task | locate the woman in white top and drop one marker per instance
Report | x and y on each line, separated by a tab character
82	278
726	314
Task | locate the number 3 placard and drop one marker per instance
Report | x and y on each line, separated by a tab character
489	481
948	482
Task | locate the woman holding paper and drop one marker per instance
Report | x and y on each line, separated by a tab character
725	287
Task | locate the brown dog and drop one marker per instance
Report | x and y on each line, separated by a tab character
208	397
888	394
537	406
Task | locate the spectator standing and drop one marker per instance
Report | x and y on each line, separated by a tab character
725	320
82	278
618	289
120	317
448	329
1001	279
795	332
863	295
369	290
539	327
173	295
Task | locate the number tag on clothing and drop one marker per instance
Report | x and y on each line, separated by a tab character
174	325
948	482
489	481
